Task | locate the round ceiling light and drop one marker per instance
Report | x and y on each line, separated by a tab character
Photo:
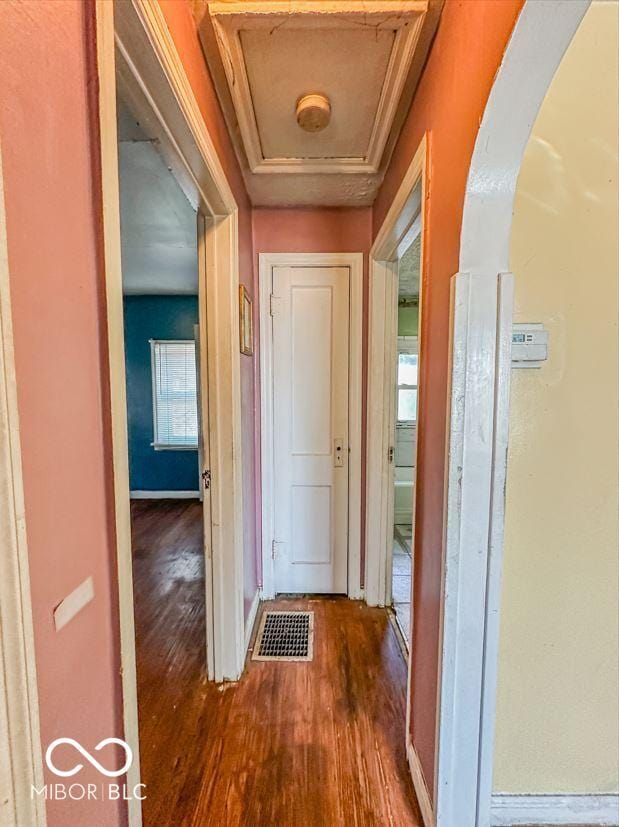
313	112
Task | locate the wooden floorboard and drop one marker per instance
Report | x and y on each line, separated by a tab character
290	744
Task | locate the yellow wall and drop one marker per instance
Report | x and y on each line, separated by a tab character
557	717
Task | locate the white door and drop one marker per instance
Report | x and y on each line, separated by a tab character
310	423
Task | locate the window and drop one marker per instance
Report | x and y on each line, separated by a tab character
175	405
408	364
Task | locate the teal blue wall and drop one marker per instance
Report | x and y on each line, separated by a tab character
154	317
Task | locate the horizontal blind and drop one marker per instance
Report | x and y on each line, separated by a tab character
175	408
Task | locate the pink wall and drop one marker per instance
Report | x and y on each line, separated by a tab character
183	29
58	319
448	106
315	230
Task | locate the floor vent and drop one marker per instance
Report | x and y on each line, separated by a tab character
285	636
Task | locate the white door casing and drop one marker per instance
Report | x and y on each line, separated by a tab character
310	418
20	740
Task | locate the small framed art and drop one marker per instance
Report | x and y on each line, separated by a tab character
246	322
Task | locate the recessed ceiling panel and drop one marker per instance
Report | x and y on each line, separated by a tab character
360	59
346	65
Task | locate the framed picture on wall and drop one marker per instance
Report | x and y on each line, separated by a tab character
246	325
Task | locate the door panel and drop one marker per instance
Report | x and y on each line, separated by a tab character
311	365
310	417
311	524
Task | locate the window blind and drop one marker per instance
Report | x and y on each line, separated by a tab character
175	407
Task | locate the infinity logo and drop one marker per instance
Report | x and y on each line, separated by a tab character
89	757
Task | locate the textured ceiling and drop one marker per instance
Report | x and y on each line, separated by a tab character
158	224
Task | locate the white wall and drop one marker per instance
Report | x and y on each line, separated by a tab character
557	716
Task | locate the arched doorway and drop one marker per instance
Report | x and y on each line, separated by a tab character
482	301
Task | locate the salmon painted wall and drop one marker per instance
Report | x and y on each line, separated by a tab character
184	33
449	104
58	312
315	230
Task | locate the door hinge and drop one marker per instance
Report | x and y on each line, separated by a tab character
206	478
275	300
273	544
390	454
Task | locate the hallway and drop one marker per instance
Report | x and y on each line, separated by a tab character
318	743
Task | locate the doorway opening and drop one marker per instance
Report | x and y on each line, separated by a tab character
405	434
138	62
168	445
392	416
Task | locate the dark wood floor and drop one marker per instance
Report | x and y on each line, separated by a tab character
291	744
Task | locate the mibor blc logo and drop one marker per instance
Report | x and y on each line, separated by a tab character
88	757
89	792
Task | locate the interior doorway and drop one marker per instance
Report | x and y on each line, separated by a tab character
137	59
394	359
393	400
168	445
405	433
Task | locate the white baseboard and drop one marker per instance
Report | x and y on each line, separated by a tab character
514	810
165	495
251	619
419	783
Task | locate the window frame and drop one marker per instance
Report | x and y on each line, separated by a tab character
162	446
406	344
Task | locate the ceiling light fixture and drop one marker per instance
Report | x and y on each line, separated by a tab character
313	112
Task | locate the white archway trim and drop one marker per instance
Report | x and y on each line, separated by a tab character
542	33
479	400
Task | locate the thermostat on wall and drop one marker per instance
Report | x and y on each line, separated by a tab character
529	345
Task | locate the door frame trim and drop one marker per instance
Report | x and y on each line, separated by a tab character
152	67
354	261
21	764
